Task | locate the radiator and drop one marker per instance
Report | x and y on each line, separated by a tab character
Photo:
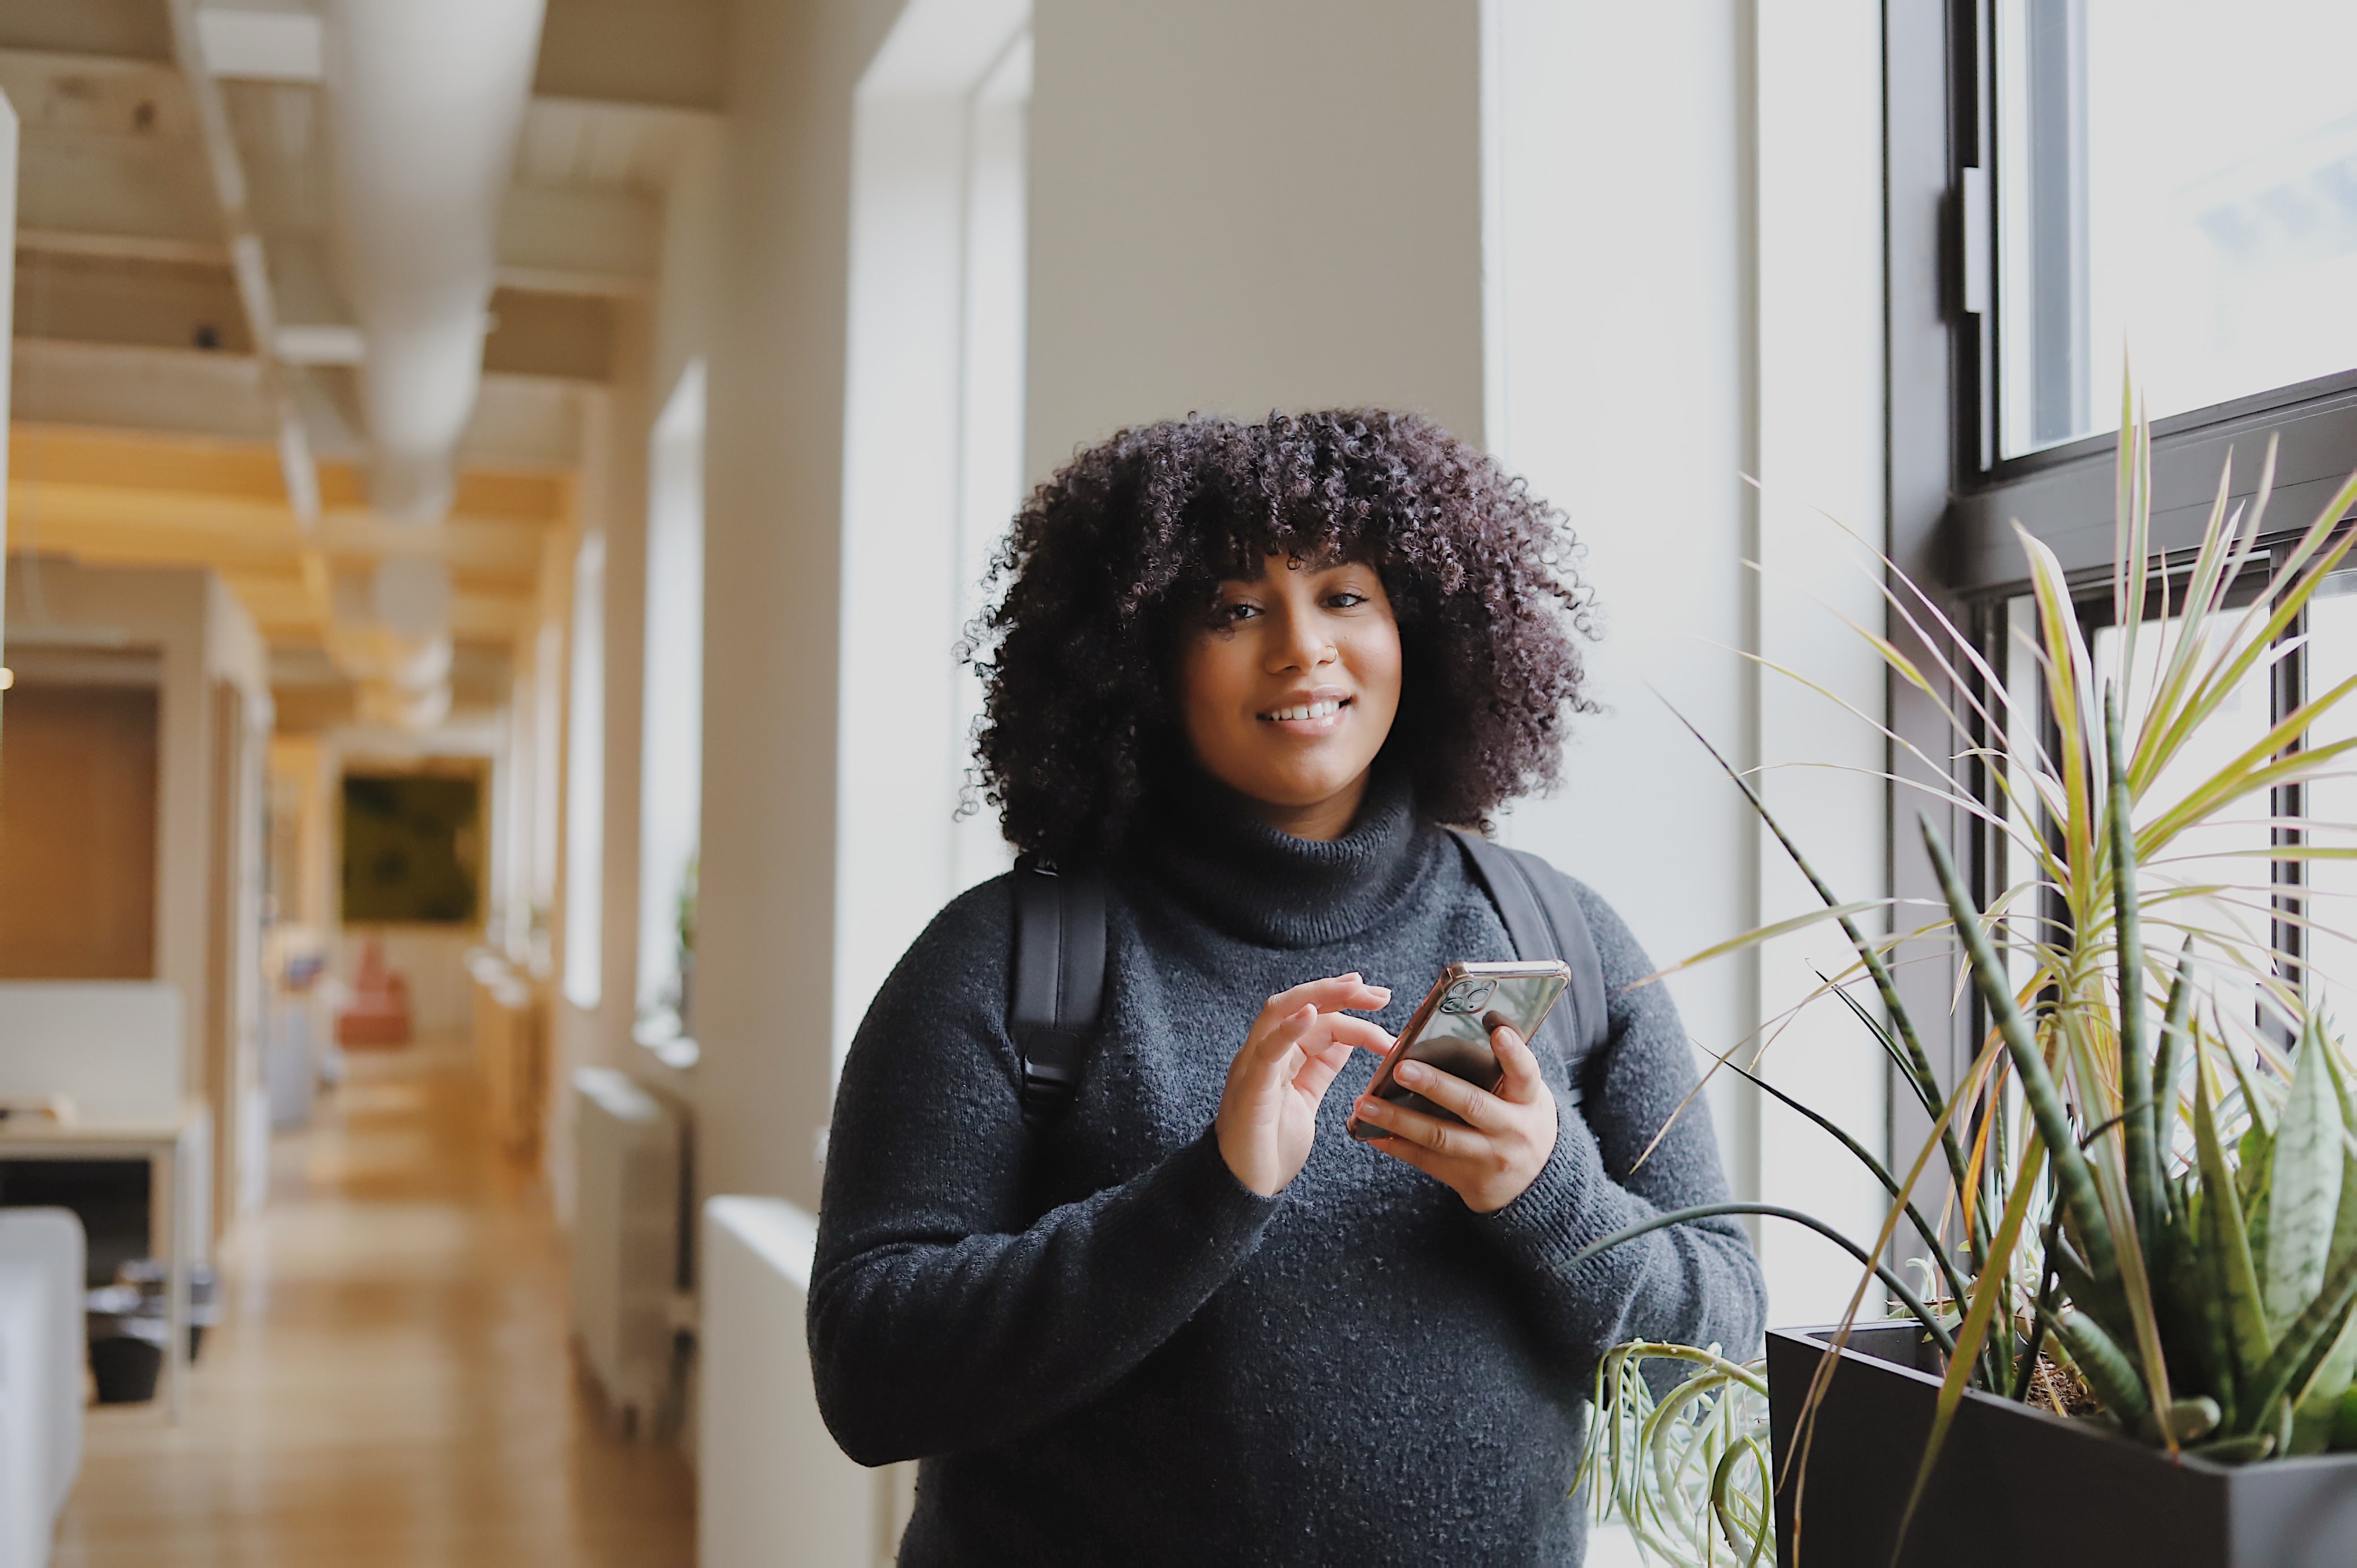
772	1487
631	1149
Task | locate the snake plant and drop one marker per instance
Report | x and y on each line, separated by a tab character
2151	1164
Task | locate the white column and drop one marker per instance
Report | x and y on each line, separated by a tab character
1686	287
1620	374
1821	440
1237	206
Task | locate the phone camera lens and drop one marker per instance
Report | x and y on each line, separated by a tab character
1467	995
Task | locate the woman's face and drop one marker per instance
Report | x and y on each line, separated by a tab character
1289	691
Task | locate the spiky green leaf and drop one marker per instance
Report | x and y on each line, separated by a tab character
2344	1223
2319	1409
2071	1176
2303	1199
2106	1367
2223	1241
2300	1352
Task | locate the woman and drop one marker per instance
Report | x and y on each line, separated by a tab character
1247	670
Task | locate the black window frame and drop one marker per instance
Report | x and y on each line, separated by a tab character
1953	502
1940	115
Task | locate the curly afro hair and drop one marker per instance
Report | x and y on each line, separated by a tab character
1113	559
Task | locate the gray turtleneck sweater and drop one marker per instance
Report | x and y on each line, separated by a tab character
1106	1349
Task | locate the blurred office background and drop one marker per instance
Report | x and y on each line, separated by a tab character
494	487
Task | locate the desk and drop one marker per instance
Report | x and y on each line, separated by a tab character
177	1155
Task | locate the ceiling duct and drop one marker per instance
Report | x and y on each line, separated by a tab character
425	102
425	105
390	630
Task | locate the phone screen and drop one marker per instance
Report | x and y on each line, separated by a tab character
1451	1029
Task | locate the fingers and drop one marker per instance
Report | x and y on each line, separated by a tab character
1429	1133
1407	1154
1330	996
1360	1033
1452	1093
1318	1072
1272	1046
1523	1084
1287	1017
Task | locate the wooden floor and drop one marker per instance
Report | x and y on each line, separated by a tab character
391	1385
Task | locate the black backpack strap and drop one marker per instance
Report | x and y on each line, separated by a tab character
1542	919
1060	964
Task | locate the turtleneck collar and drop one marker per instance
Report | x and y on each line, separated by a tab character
1203	840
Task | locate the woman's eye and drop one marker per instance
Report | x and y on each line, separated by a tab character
1229	613
1345	601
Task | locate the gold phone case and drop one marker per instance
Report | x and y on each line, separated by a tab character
1451	1029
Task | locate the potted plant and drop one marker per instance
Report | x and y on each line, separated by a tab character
2137	1343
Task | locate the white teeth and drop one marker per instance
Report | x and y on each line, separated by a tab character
1312	711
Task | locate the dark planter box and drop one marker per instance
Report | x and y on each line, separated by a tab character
2019	1487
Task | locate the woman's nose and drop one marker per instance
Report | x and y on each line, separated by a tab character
1304	645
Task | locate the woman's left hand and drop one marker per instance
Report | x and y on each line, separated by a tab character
1506	1137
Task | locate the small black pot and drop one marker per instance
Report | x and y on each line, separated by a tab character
2021	1486
124	1367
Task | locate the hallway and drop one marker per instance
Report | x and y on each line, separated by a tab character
391	1383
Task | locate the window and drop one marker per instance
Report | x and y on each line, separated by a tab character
585	780
2175	178
2070	179
2226	858
2330	891
2157	178
670	758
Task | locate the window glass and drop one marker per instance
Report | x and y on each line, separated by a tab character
671	734
2178	179
2221	866
2332	892
585	781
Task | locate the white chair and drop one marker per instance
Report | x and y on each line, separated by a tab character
41	1357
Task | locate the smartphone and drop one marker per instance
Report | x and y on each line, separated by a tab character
1450	1030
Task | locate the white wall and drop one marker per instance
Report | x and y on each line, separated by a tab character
1237	206
1620	387
1821	420
9	139
1686	287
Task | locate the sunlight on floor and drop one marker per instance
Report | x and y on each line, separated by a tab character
391	1382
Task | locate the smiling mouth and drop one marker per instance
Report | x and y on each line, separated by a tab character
1322	710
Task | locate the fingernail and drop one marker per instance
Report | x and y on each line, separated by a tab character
1410	1072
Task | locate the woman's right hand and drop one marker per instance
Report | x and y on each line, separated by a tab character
1268	1112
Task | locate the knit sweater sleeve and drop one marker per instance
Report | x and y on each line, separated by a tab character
1697	1282
944	1316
